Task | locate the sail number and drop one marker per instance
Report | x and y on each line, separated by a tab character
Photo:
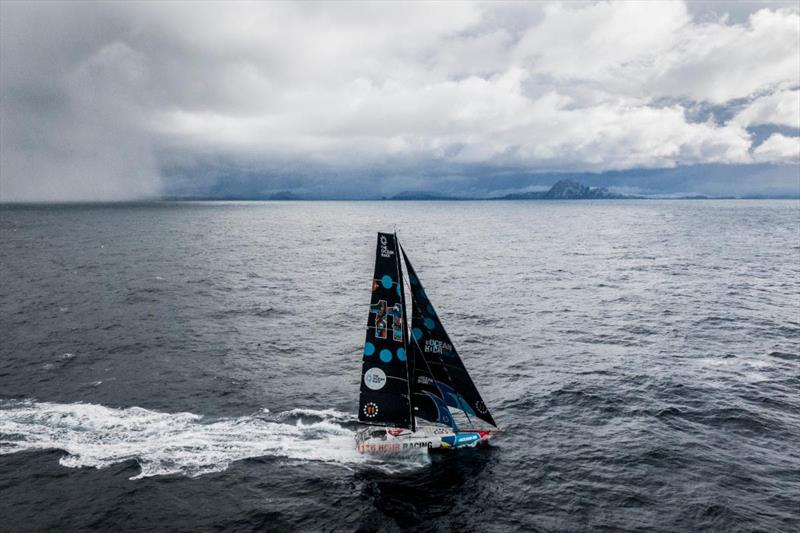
382	314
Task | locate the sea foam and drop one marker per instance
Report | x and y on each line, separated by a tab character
173	443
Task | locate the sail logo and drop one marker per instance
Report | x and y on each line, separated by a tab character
425	380
480	407
371	410
385	251
375	378
440	347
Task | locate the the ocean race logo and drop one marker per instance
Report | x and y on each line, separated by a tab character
374	378
385	251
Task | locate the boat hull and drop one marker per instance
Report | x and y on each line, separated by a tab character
395	440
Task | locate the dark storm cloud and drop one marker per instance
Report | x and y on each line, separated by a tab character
112	101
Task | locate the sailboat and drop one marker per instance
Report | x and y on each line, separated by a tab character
412	382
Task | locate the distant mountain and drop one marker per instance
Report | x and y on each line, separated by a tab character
421	195
284	195
562	190
567	190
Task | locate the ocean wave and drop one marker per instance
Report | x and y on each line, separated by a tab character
177	443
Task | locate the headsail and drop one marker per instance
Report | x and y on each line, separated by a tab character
445	367
427	397
385	373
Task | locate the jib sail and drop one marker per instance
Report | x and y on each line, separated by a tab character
385	372
444	366
427	397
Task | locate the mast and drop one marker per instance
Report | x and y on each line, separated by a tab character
409	363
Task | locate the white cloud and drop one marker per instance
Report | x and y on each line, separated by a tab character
780	108
649	49
779	148
602	42
100	98
717	62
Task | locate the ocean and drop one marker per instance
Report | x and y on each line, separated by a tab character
195	366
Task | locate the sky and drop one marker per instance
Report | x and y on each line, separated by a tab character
126	101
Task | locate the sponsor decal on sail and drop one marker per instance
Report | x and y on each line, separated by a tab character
480	407
371	410
382	313
425	380
375	378
436	346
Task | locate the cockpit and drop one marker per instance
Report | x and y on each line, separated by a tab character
378	434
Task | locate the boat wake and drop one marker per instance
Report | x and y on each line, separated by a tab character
179	443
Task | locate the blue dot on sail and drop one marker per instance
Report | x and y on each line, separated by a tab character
386	355
398	290
429	323
401	354
387	282
413	280
369	348
430	309
417	333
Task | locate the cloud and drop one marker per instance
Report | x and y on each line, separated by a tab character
70	117
718	62
779	148
647	49
780	108
128	100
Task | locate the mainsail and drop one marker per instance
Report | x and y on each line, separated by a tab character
441	380
385	394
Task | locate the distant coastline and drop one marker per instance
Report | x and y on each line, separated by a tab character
562	190
566	189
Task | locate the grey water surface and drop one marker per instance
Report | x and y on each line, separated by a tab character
195	366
